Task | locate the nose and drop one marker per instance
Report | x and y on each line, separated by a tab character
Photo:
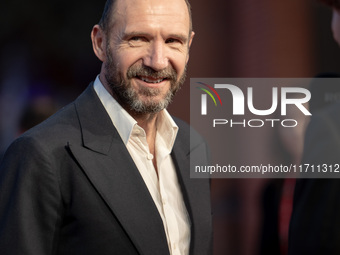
156	57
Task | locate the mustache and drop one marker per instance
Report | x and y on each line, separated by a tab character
141	70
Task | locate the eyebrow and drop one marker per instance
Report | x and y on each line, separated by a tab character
136	33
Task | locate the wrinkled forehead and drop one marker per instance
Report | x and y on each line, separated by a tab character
162	12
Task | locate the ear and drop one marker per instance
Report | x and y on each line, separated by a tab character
99	42
189	44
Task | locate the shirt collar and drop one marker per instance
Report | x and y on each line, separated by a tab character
167	128
125	124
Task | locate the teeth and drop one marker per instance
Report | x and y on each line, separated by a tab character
151	81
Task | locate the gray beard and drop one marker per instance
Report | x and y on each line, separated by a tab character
129	97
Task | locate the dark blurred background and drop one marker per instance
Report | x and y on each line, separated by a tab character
46	60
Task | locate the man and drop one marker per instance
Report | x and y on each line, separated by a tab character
315	224
109	173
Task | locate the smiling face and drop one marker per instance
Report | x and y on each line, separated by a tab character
146	52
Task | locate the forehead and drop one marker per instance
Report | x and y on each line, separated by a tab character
152	14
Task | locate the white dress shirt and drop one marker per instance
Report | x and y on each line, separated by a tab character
164	188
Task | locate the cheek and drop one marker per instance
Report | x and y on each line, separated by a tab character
179	62
126	59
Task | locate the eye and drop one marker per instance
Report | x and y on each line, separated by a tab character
135	38
172	40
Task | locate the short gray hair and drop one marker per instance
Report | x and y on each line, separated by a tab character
110	6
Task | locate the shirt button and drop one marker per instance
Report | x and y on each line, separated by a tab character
137	132
150	156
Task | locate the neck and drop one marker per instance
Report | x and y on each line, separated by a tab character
148	123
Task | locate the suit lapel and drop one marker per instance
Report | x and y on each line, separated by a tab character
109	166
196	194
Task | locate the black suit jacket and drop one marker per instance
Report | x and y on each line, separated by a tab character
315	221
69	186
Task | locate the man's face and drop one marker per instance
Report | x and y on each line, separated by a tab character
147	51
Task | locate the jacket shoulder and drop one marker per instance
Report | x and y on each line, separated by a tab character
188	133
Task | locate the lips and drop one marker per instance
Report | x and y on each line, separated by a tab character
152	80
